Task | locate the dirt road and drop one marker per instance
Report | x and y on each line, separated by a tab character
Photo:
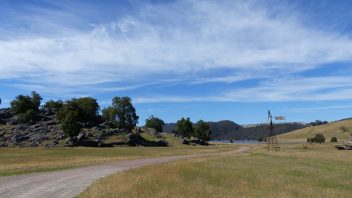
69	183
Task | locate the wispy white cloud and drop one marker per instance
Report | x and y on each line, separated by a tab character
182	38
285	89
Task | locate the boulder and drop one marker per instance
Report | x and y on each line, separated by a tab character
6	113
185	141
135	140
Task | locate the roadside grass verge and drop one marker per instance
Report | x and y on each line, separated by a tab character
15	161
298	171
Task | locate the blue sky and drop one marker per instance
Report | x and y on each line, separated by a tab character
210	60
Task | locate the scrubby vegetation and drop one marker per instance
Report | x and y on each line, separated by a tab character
202	131
78	122
155	123
26	107
333	139
187	130
319	138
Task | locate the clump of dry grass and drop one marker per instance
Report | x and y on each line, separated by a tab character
294	172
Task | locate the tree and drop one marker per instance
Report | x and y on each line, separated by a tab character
333	139
26	107
69	117
24	103
89	109
56	105
109	114
184	128
21	104
36	100
202	131
155	123
122	113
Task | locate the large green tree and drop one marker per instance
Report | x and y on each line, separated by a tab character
202	131
155	123
184	127
69	117
122	112
89	110
76	113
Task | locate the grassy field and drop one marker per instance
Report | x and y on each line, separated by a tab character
299	170
329	130
27	160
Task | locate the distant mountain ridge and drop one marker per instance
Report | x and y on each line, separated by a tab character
227	129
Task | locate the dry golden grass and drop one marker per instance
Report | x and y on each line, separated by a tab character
26	160
329	130
298	171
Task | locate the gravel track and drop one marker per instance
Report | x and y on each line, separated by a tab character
69	183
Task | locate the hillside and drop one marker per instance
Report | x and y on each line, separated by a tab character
47	132
221	129
227	129
329	130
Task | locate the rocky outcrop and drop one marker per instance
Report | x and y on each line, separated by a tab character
47	132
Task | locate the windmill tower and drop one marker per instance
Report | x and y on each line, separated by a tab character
272	143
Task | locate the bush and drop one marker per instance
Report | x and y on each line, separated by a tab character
333	139
202	131
26	107
260	139
184	128
155	123
69	117
319	138
56	105
88	110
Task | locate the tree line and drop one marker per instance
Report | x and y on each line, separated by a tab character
78	113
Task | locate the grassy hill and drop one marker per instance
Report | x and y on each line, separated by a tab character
328	130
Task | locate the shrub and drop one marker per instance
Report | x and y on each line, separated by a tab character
26	107
56	105
69	117
155	123
202	131
333	139
260	139
184	128
89	109
319	138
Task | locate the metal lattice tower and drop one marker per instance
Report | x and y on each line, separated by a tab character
272	143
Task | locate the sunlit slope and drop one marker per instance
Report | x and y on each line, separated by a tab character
329	130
